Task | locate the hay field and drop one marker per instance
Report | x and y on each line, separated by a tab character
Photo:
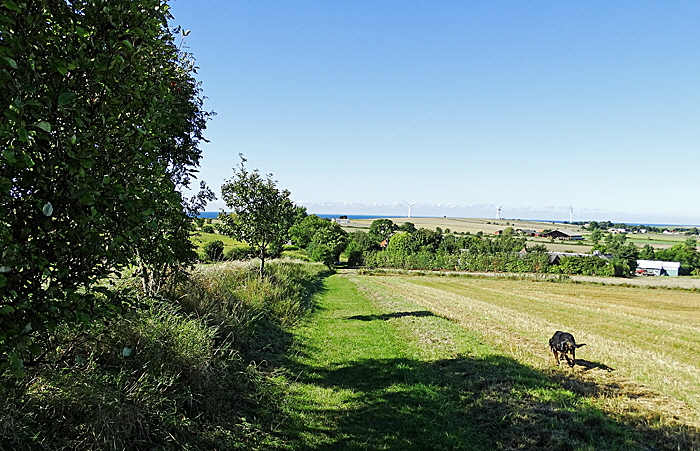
642	344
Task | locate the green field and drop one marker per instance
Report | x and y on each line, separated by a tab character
426	362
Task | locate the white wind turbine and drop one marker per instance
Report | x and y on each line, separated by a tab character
498	212
409	207
571	214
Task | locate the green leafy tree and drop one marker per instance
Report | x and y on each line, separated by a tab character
354	253
647	253
302	233
313	229
99	131
382	229
625	254
686	254
261	214
334	237
596	236
400	243
407	227
323	253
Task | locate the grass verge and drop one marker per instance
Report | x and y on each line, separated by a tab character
186	372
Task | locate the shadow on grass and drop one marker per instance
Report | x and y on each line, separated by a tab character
388	316
588	365
464	403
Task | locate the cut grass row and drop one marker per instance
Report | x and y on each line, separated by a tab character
377	367
647	335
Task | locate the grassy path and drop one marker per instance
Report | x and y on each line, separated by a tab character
360	384
371	370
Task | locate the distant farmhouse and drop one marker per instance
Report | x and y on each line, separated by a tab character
527	232
341	220
563	234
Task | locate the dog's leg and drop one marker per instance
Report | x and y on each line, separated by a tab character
556	355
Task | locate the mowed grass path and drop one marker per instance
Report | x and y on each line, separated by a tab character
372	369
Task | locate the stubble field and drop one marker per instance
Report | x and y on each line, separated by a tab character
642	344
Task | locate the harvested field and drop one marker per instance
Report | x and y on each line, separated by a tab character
642	345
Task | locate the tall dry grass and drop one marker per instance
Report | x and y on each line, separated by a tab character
189	371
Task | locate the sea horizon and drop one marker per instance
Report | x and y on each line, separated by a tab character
214	214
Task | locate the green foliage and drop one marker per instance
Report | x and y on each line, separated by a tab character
364	241
188	372
596	236
625	254
382	229
586	265
419	260
334	237
240	253
100	125
407	227
214	250
208	229
261	214
319	252
685	253
302	233
314	231
354	253
647	253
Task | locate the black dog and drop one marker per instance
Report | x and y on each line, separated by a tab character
562	344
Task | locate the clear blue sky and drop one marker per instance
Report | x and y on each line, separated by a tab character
457	106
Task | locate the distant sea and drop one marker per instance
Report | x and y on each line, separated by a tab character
214	214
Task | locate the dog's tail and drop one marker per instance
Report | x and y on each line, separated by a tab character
582	344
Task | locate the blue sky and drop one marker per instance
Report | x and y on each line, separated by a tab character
457	106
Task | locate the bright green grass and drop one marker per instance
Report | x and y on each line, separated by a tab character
373	371
201	238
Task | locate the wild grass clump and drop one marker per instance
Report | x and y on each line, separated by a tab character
180	372
249	312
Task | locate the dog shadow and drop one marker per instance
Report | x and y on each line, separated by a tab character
588	365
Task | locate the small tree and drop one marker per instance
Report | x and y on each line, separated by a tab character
302	233
407	227
261	214
382	229
214	250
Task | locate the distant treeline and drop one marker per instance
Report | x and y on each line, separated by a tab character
605	225
388	245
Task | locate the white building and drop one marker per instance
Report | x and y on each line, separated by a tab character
657	268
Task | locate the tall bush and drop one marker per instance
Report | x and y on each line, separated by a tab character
214	250
100	125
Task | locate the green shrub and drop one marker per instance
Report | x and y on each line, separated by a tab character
240	253
214	250
184	372
586	265
319	252
208	229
